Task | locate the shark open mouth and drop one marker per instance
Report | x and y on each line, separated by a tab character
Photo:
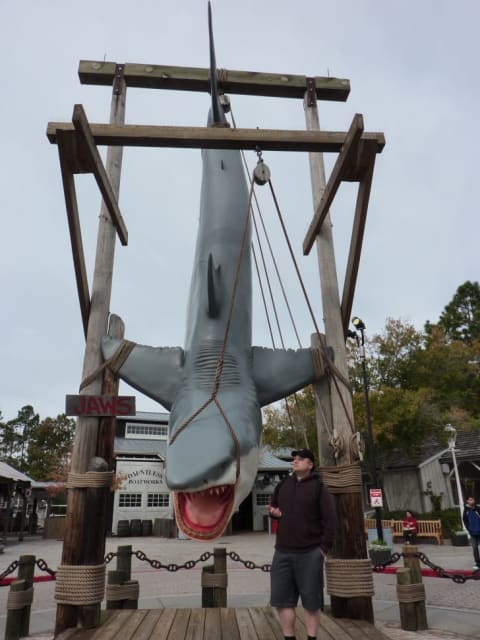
204	515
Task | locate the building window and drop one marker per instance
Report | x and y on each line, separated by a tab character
263	499
145	430
130	500
158	500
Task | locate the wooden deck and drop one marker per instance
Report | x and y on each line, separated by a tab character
252	623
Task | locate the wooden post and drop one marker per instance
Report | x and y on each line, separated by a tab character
78	546
350	543
15	617
414	565
115	577
323	413
408	616
18	620
107	426
214	580
124	564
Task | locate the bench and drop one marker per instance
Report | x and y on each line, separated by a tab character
425	528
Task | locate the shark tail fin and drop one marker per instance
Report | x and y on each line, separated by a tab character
217	115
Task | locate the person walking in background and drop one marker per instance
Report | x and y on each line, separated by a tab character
471	520
306	516
409	525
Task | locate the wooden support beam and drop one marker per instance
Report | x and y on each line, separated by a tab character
279	85
82	127
64	152
348	152
358	230
129	135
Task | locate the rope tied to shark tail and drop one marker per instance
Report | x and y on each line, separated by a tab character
114	363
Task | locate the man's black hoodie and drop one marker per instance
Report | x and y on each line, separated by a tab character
308	514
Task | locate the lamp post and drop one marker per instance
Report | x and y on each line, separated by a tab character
452	437
360	326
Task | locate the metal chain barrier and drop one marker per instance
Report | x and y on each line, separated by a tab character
157	564
458	578
10	569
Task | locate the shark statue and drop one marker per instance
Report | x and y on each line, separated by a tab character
215	386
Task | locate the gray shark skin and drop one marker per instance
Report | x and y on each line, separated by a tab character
213	448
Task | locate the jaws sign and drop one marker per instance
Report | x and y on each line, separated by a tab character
100	405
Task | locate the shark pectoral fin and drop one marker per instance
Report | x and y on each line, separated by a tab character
155	371
279	372
213	288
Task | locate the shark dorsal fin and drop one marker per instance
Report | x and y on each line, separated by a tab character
213	289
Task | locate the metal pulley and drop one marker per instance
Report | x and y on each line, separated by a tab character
261	173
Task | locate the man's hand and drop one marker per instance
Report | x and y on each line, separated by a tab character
275	512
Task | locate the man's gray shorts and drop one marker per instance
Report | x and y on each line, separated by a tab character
297	574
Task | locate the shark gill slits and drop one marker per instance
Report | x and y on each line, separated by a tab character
205	362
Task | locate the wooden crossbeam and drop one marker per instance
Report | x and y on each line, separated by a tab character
344	160
356	242
82	127
129	135
280	85
64	152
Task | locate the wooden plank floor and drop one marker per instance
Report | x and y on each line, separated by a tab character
252	623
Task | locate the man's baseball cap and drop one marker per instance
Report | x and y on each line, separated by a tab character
304	453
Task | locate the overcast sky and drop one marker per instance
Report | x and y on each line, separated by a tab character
413	68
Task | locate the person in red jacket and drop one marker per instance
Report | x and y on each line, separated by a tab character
409	525
305	511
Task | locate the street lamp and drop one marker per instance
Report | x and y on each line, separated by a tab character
451	439
360	326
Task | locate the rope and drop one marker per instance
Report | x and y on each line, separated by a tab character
90	480
260	283
411	592
114	363
19	599
129	590
80	584
214	580
349	578
329	363
343	479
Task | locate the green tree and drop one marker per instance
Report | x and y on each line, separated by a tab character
51	446
291	424
460	319
36	447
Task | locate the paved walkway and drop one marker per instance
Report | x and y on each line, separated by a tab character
452	609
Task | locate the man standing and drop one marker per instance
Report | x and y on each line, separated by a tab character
306	525
471	520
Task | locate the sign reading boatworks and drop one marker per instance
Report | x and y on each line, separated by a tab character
100	405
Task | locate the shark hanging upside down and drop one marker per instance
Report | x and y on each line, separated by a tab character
215	421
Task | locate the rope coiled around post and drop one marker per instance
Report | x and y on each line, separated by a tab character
127	591
90	480
19	599
114	363
214	580
349	578
80	584
411	592
345	478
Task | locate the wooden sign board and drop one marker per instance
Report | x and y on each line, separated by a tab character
100	405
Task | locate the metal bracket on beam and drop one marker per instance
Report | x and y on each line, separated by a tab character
118	79
311	92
